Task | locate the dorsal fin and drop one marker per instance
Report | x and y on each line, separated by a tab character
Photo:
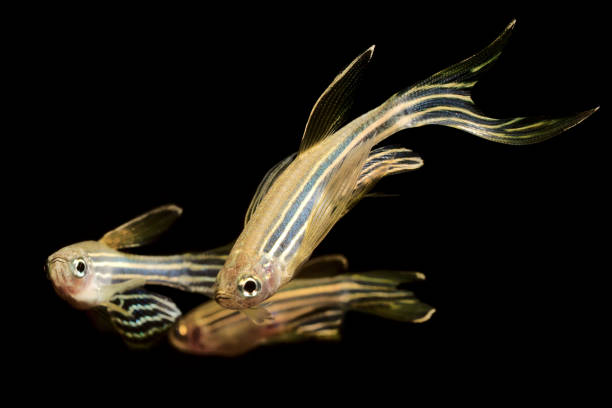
329	111
143	229
265	184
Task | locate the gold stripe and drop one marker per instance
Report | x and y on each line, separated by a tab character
141	335
537	124
487	62
148	266
400	123
180	278
187	256
426	317
456	85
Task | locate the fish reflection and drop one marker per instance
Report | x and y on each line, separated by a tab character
310	307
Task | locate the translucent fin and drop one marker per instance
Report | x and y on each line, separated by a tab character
445	99
388	160
322	266
403	310
334	201
329	112
141	317
265	184
258	315
386	300
144	229
382	162
321	324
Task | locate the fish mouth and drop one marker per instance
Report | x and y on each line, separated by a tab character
220	296
224	300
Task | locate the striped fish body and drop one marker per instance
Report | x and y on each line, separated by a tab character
97	274
273	255
317	188
107	271
303	309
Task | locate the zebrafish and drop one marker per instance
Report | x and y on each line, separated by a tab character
312	306
304	197
93	274
96	274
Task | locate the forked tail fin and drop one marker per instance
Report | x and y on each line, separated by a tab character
445	99
379	295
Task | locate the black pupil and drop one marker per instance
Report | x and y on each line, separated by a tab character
250	286
80	266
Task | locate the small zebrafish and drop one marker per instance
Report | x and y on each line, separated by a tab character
307	194
96	274
312	306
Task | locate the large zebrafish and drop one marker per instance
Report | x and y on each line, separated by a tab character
305	197
310	307
94	274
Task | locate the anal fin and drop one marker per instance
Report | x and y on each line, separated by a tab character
141	317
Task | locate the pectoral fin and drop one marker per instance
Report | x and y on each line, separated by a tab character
144	229
335	200
258	315
141	317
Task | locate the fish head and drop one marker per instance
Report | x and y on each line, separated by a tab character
245	281
73	276
211	330
192	338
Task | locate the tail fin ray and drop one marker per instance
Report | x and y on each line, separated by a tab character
445	99
396	304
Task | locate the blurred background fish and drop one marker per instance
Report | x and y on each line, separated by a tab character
312	306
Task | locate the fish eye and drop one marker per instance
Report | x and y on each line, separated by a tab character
249	286
180	331
79	268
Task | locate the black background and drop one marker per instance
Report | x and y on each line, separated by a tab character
125	110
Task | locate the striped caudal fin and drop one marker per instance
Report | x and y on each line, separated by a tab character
380	296
141	317
445	99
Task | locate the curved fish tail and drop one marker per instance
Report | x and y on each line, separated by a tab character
445	99
379	295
